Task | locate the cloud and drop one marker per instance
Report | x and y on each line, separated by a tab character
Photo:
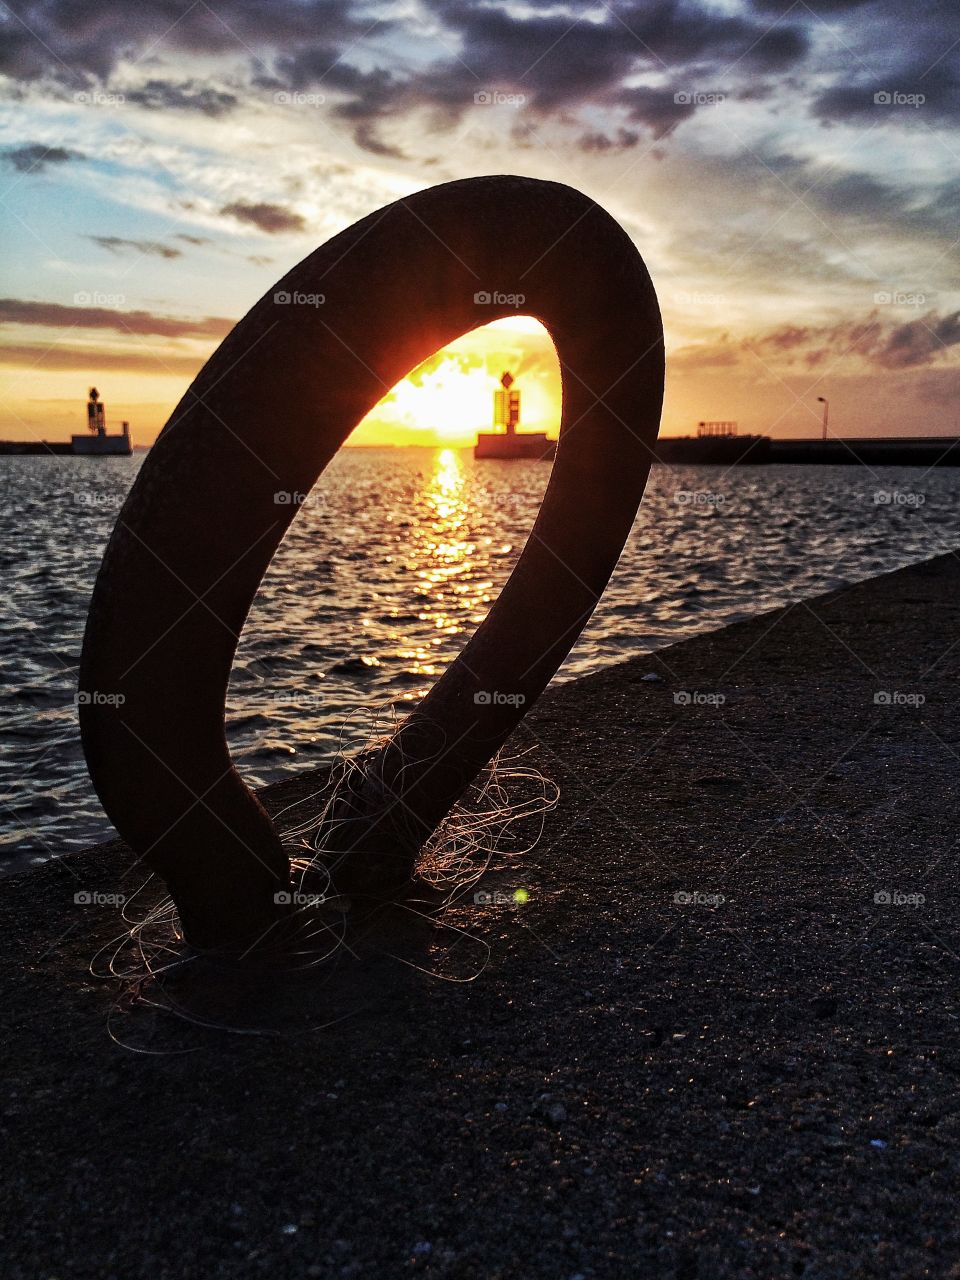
920	341
658	109
85	359
258	259
365	136
274	219
66	41
778	7
564	57
117	244
622	139
888	344
709	356
860	206
876	341
560	61
898	52
34	157
911	93
376	70
160	95
57	315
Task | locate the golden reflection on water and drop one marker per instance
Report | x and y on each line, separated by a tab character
452	598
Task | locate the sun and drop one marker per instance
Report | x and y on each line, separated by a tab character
449	398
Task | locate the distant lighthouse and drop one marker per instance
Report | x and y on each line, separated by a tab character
98	442
505	441
94	444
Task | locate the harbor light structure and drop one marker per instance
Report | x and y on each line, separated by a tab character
98	441
506	406
96	414
505	441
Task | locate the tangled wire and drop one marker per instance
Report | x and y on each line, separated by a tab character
159	970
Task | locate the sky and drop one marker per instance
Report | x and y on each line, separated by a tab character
790	173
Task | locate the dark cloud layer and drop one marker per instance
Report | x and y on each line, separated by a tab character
160	95
76	39
914	53
647	63
920	341
559	59
58	315
274	219
931	91
889	344
153	248
62	357
34	157
876	341
559	62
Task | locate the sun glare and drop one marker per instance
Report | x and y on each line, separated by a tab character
446	400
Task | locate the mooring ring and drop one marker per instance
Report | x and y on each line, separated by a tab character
266	414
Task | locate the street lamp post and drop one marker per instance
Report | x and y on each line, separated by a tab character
826	409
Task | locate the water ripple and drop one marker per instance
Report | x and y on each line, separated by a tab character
385	574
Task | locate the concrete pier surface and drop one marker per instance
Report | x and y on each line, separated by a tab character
720	1038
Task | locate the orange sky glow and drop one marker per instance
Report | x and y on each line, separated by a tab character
798	218
443	402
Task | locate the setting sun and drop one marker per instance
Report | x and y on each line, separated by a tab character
448	399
